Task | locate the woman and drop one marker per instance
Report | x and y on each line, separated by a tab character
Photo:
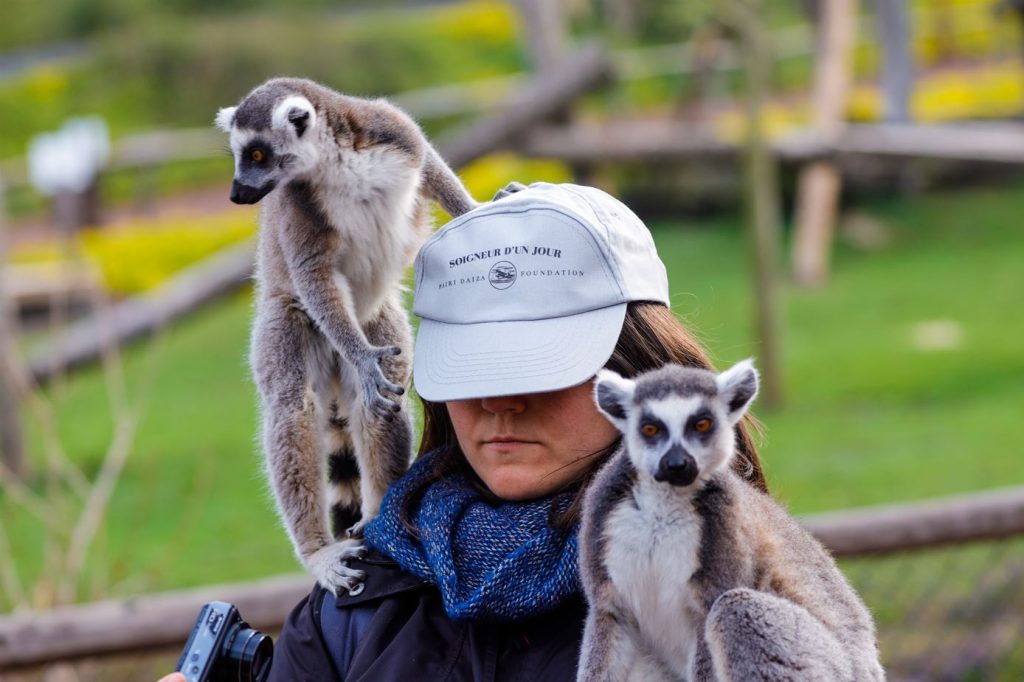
471	569
471	572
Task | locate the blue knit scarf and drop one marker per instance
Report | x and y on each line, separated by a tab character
496	563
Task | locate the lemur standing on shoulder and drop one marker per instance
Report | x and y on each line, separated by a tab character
344	183
690	572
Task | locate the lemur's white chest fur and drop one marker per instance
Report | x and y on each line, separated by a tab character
650	570
369	197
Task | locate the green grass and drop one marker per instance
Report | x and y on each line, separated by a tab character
191	506
868	418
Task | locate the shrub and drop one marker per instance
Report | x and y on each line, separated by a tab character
174	71
138	256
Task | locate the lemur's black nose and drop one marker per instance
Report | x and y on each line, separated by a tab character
677	467
244	194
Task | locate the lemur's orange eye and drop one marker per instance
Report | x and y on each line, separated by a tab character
702	425
257	155
649	430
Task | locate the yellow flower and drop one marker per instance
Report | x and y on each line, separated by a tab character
45	84
486	176
488	21
138	256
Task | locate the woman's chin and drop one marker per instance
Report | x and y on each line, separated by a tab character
517	486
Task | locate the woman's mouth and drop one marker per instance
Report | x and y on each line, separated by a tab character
507	439
507	442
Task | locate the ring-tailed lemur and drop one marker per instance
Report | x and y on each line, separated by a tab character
690	572
331	343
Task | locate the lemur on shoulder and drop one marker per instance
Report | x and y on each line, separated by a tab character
344	183
689	571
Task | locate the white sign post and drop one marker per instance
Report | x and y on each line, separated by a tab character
65	165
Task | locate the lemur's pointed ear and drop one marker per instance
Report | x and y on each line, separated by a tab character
613	395
294	112
224	118
737	387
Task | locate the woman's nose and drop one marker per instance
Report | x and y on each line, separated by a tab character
505	403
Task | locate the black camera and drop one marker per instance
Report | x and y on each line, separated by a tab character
223	647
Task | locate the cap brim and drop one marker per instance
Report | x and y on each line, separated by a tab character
484	359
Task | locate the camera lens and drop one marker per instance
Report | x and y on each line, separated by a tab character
247	655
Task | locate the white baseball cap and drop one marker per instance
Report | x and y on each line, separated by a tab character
528	293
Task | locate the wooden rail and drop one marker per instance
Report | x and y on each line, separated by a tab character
879	530
548	95
164	620
621	140
660	140
139	624
83	341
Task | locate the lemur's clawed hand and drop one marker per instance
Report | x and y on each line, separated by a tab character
375	385
329	565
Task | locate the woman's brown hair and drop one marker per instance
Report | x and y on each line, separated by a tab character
651	336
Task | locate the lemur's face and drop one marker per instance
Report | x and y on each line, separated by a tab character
271	142
677	422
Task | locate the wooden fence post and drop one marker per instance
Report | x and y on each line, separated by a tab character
819	183
544	22
762	190
547	42
12	444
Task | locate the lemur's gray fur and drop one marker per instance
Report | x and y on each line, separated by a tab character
690	572
346	182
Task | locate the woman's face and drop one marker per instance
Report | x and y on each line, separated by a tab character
528	446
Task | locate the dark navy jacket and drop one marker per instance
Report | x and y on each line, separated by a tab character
397	629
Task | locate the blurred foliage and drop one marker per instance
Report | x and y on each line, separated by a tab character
979	47
28	22
666	21
961	29
172	71
486	176
138	256
200	67
995	91
174	64
947	94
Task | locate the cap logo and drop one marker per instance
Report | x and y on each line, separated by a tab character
502	275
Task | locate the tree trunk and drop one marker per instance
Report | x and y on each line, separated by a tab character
819	183
762	191
544	23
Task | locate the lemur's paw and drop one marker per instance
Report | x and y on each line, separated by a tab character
381	407
356	529
376	386
329	565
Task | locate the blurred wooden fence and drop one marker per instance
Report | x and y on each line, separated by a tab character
151	622
655	141
620	140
